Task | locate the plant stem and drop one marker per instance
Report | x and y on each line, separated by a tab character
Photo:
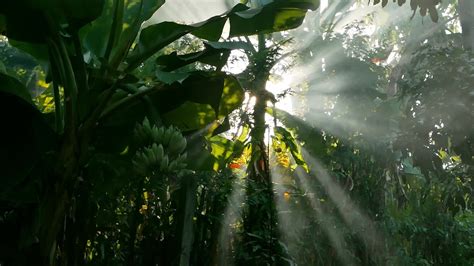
82	82
115	29
123	47
127	100
58	116
70	91
56	200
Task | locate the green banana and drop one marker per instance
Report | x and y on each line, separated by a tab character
180	160
146	159
164	163
161	132
154	134
146	123
173	165
151	156
139	134
140	162
177	144
167	136
160	153
183	157
137	165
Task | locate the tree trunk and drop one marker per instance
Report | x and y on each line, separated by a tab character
187	225
260	239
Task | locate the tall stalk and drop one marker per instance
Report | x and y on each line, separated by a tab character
260	222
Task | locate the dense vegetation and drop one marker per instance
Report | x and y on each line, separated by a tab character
128	142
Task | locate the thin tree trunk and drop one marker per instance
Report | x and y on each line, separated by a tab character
187	229
135	221
260	225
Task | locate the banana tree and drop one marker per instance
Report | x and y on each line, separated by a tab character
97	56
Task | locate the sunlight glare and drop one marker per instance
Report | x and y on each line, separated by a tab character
278	87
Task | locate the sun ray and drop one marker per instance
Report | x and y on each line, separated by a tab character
352	215
232	216
291	221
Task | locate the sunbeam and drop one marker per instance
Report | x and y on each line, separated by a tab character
368	128
291	220
232	216
354	218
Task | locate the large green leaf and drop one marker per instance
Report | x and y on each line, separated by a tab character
311	136
210	29
211	56
286	137
232	45
303	4
209	97
80	12
38	50
276	16
174	61
232	96
140	10
155	37
199	155
24	23
11	85
135	12
95	35
222	149
214	54
205	88
171	77
212	153
36	20
26	138
190	116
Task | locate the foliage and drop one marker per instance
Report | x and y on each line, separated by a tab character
118	147
404	172
425	7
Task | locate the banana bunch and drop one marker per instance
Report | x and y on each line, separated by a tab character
161	149
171	138
143	133
153	159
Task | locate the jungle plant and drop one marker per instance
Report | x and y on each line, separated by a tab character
75	173
94	64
